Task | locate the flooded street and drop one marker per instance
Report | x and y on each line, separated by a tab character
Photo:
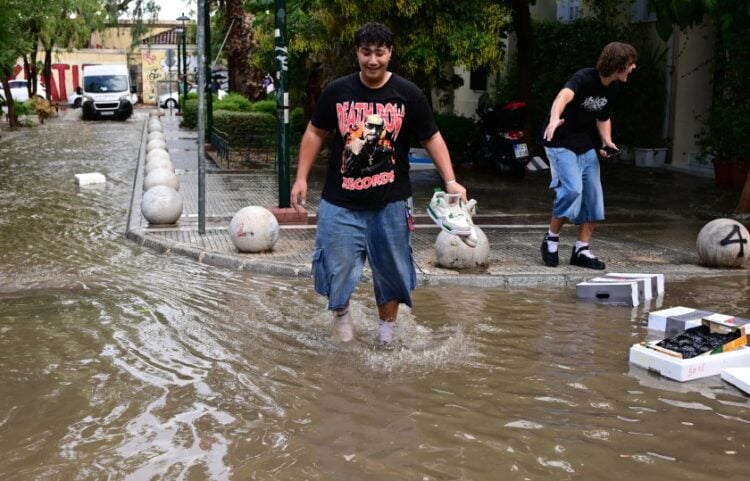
118	363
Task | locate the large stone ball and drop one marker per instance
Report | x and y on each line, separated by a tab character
159	163
161	205
156	135
452	253
254	229
155	126
723	243
158	153
156	144
161	177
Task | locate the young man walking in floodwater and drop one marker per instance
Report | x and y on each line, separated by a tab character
365	210
584	102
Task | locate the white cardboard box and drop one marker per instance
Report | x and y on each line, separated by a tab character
675	320
90	178
657	280
686	369
623	293
738	377
644	285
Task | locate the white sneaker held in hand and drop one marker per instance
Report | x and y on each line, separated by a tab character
470	208
446	211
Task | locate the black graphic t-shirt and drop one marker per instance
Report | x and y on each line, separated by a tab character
372	130
592	101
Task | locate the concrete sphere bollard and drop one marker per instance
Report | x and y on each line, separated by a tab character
155	126
156	135
451	252
159	163
161	176
156	144
254	229
156	153
723	243
161	205
155	113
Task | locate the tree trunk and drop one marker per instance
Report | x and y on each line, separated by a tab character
241	43
524	37
47	72
12	124
743	206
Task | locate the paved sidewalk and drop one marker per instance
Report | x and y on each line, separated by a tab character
654	216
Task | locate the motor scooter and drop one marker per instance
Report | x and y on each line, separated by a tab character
499	145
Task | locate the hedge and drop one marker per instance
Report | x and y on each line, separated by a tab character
457	131
246	129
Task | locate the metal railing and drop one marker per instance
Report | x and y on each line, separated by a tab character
253	150
219	142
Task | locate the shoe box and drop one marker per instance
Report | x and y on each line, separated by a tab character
624	289
738	377
656	280
618	293
675	320
654	357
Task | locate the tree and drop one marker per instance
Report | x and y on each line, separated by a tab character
430	36
13	44
244	77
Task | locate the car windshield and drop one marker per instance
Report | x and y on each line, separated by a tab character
106	83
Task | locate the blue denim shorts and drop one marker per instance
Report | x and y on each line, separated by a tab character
578	187
346	237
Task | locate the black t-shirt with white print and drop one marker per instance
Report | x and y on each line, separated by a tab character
372	131
592	101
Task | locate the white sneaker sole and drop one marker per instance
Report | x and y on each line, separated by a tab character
470	240
454	231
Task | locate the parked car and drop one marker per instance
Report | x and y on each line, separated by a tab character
76	98
170	99
20	91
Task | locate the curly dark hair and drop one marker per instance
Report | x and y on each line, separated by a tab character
373	33
615	57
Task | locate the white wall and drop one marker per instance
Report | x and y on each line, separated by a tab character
693	80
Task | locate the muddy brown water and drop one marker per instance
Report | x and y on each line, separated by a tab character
117	363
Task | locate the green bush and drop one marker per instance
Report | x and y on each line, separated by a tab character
246	129
190	107
233	102
457	132
297	125
638	114
190	113
23	108
266	106
260	119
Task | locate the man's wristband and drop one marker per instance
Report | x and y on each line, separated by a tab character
452	181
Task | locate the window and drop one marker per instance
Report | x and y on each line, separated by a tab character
568	10
640	12
478	79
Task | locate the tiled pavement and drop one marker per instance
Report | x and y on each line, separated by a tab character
640	235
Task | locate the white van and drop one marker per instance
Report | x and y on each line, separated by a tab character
107	92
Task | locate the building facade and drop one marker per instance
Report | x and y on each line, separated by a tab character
153	63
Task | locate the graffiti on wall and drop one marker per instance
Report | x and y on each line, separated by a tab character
63	75
156	67
162	68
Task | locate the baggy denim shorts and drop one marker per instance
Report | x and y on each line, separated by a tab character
578	187
346	237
